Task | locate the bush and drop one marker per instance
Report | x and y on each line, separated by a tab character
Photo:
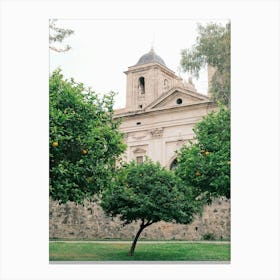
209	236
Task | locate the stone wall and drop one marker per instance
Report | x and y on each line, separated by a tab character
89	222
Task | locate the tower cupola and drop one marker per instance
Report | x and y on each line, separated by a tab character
150	57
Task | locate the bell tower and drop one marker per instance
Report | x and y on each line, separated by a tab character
147	80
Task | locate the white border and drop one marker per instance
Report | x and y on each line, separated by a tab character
24	138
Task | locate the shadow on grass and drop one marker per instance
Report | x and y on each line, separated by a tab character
144	252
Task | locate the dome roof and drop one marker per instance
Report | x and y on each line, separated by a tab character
149	57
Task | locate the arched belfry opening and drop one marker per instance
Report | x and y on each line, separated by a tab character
141	85
145	81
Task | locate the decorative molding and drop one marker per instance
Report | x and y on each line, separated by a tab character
180	142
126	135
139	136
157	132
139	151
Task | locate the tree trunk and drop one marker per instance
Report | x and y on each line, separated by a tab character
131	252
142	226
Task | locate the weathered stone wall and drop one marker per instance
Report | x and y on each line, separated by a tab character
75	221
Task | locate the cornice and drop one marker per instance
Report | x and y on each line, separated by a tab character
140	68
157	111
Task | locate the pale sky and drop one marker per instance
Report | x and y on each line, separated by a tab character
103	49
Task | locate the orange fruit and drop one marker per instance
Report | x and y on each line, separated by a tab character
55	144
197	173
89	179
84	152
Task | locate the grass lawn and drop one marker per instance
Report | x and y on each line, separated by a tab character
63	251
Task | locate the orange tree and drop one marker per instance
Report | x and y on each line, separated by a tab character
149	193
84	141
205	164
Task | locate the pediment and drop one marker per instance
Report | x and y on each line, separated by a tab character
177	97
139	151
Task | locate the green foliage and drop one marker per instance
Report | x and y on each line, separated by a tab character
57	35
149	192
84	141
212	47
205	163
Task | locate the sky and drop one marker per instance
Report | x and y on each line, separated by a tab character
101	50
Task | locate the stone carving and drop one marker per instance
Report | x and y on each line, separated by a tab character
126	135
157	132
139	151
139	136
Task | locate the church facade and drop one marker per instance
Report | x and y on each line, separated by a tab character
161	111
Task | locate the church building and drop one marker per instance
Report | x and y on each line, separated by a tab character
161	111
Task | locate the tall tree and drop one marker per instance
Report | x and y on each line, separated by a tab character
212	48
204	164
57	35
84	141
149	193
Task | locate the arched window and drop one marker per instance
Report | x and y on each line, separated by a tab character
174	164
165	85
141	85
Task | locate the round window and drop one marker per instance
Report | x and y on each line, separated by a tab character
179	101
